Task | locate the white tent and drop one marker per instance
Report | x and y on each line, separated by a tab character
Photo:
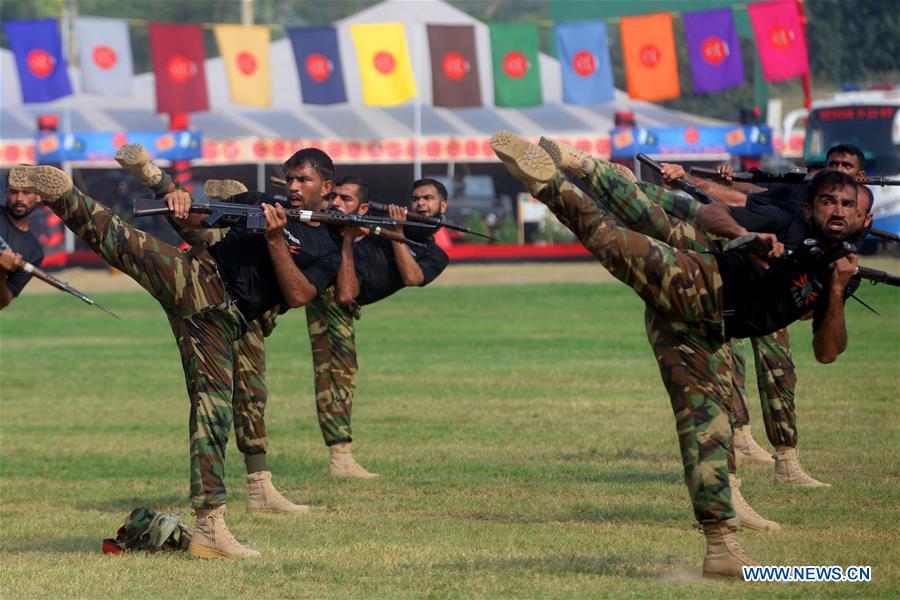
351	132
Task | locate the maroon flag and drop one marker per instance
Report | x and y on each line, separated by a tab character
178	62
454	67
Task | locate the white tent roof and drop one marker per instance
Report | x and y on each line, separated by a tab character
289	118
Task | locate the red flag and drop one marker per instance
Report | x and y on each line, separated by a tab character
779	39
178	62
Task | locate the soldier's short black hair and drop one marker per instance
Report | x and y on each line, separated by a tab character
314	158
364	189
847	149
826	180
440	187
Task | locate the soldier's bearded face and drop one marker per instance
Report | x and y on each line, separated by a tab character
834	216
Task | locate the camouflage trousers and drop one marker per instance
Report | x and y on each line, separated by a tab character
683	293
669	217
333	341
206	324
682	290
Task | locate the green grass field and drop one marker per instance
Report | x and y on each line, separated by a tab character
526	446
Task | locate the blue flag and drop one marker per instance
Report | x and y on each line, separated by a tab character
584	58
318	64
43	72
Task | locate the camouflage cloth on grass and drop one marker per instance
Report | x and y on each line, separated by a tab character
203	317
333	341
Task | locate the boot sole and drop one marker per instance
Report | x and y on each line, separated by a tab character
222	189
46	181
272	511
523	160
764	529
132	156
211	553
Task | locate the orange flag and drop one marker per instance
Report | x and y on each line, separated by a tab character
648	46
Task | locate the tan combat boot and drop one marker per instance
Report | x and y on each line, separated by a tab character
223	189
525	161
264	498
746	448
46	181
136	160
724	556
211	538
789	471
567	158
748	517
343	464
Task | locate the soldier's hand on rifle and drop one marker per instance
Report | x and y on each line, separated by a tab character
179	203
11	261
670	172
725	170
398	213
276	220
776	248
844	269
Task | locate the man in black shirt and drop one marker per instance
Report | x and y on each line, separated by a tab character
25	247
688	294
209	302
372	268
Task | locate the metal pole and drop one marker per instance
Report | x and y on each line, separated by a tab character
246	12
807	88
417	111
68	10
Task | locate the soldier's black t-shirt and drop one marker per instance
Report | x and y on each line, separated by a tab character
789	197
376	267
244	261
759	301
25	244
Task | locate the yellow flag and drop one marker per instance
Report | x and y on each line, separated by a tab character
245	50
387	77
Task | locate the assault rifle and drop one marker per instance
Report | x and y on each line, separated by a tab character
252	217
57	283
792	176
410	216
686	186
810	252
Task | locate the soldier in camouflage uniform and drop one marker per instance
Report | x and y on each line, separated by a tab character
691	314
207	309
250	392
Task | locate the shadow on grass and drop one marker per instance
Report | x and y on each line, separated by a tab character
584	565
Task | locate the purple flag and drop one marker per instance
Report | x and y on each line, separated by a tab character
714	49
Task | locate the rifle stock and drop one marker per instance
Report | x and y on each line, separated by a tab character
683	185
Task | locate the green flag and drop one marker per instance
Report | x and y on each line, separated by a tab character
517	74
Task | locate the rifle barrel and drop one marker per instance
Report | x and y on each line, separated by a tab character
65	287
411	216
893	237
876	276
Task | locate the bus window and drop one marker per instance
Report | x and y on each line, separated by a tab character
868	126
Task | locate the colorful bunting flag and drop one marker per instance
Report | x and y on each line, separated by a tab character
104	55
318	64
517	74
715	51
648	48
245	51
584	59
179	66
384	64
779	39
43	71
454	66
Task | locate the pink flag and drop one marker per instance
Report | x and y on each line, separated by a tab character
779	39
